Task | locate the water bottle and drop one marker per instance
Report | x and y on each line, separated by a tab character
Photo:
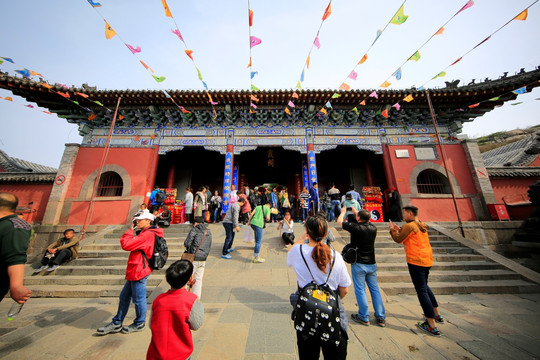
14	310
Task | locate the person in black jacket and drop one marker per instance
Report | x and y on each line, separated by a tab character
198	242
364	270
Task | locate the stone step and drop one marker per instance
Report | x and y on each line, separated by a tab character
437	258
436	250
176	234
103	280
456	266
391	244
446	288
100	254
92	270
79	291
447	276
116	240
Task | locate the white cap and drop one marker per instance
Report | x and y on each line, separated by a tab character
145	215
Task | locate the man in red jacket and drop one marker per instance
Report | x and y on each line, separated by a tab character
137	273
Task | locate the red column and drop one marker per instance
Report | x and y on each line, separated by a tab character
171	176
369	174
388	171
152	171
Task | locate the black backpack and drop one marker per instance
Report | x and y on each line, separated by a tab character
160	197
317	310
159	255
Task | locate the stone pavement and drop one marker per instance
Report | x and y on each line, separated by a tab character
247	316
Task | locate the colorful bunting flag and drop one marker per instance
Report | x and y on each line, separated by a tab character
408	98
399	18
466	6
287	111
302	76
134	50
254	88
249	65
48	112
23	72
166	7
374	94
397	74
253	73
378	112
385	84
335	96
494	98
109	32
440	31
295	95
379	32
355	110
385	113
146	66
344	86
415	56
441	74
421	88
327	12
205	85
253	98
1	61
45	85
363	59
159	79
328	105
455	62
522	15
82	95
33	73
299	85
521	102
307	61
317	43
188	53
323	110
92	117
353	75
396	106
521	90
8	60
199	73
483	41
473	105
363	103
177	33
94	4
250	17
32	106
97	102
291	104
66	94
253	105
254	41
8	98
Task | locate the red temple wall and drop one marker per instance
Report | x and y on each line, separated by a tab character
536	162
26	193
437	207
138	163
513	193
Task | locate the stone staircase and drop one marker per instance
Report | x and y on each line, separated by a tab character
100	269
457	269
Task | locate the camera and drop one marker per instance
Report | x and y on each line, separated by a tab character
349	209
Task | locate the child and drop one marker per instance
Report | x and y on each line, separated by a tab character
174	313
288	232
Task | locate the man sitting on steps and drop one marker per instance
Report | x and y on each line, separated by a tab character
66	248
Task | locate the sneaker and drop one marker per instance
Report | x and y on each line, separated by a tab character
425	326
357	319
109	329
439	319
258	260
226	256
230	250
52	268
132	328
40	269
381	322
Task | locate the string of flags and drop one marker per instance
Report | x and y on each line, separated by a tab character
189	53
316	43
253	41
135	50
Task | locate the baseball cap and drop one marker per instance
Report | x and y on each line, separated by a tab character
145	215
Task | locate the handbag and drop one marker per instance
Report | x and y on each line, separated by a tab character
349	254
191	257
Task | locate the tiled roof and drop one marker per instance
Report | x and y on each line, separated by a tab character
27	177
519	153
514	171
16	170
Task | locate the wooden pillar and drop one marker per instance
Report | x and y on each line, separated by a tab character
388	171
369	174
171	176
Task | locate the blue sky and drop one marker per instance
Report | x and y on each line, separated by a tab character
64	40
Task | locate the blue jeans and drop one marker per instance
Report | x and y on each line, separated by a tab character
419	277
305	213
229	237
361	275
336	205
216	214
258	232
135	290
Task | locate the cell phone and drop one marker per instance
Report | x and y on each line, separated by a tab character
349	209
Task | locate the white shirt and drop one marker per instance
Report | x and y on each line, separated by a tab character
288	228
339	276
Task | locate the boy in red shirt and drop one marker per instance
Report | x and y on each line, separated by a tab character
174	314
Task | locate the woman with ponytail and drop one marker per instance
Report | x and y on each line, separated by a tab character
319	258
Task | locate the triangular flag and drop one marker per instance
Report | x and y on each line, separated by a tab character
353	75
1	61
66	94
415	56
253	73
82	95
47	112
159	79
299	85
97	102
45	85
440	31
134	50
363	103
249	65
8	98
109	32
335	96
455	62
188	53
121	117
205	85
521	102
146	66
183	109
374	94
23	72
328	105
344	86
494	98
32	106
421	88
199	73
253	105
385	84
323	110
521	90
408	98
396	106
441	74
466	6
253	98
153	136
250	17
287	111
355	110
136	138
177	33
8	60
94	4
399	18
483	41
397	74
295	95
379	33
307	61
522	15
254	41
327	12
254	88
302	76
291	104
363	59
378	112
317	43
167	11
92	117
33	73
385	113
474	105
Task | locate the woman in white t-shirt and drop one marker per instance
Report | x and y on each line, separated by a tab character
288	232
319	258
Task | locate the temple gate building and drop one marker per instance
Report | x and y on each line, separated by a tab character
154	142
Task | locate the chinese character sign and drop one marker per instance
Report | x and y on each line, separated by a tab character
227	180
312	168
235	176
305	174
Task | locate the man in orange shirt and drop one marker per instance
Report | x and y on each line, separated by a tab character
413	235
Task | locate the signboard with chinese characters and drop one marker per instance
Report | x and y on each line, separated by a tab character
312	166
227	180
425	153
402	153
